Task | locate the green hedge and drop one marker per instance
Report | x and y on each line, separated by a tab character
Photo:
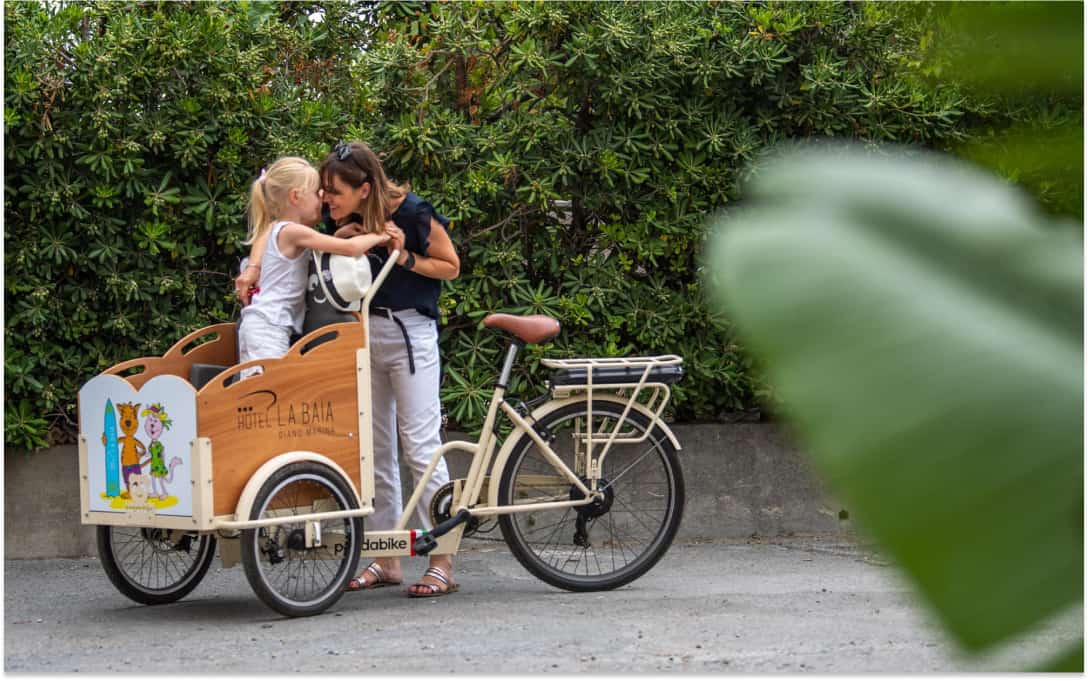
642	116
578	147
131	133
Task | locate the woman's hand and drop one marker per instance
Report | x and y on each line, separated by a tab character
245	284
396	237
349	230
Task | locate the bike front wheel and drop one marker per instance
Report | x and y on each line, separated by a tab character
300	568
610	542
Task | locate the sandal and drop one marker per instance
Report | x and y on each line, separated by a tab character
434	591
358	584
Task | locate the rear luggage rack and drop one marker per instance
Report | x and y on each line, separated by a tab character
647	379
616	372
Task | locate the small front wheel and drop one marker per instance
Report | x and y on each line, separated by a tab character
617	538
300	568
154	566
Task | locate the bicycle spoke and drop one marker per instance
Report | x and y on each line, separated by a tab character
634	515
653	449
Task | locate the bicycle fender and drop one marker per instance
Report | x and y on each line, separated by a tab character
539	413
262	474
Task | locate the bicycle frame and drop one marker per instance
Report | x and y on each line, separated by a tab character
485	464
482	452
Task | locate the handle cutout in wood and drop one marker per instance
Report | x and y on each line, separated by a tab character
233	376
201	340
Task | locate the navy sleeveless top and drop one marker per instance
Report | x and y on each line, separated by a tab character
404	289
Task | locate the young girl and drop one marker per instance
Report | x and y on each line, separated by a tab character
284	203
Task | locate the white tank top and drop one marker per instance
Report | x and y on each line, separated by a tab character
282	298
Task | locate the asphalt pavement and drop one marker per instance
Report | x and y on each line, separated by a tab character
793	605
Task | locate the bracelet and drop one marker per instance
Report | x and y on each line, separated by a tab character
410	262
251	265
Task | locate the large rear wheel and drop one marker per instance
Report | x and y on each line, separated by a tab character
617	538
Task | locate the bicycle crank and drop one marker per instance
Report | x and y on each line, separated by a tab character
441	504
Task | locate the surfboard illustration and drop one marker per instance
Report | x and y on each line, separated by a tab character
113	455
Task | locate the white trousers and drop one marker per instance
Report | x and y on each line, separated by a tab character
258	338
407	404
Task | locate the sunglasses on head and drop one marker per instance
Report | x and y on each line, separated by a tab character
343	153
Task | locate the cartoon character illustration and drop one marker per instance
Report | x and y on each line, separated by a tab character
131	448
138	485
157	421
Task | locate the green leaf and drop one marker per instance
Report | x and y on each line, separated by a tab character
1070	661
922	324
22	428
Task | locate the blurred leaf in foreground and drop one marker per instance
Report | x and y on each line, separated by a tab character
924	331
1027	60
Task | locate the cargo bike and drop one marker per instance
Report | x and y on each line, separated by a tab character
178	456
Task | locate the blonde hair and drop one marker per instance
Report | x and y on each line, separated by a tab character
268	193
360	167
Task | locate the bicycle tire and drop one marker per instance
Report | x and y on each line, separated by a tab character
151	549
544	559
265	548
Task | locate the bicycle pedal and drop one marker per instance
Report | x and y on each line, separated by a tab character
424	544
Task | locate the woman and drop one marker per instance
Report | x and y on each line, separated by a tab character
403	344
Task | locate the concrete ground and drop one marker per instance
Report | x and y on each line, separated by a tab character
796	605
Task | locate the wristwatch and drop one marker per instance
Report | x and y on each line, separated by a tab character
410	262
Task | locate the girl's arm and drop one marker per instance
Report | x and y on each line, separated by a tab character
295	237
441	261
350	229
249	276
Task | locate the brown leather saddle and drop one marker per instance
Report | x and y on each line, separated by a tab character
536	328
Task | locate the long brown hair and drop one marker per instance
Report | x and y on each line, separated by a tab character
360	167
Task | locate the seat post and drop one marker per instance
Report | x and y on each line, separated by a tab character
508	364
489	433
